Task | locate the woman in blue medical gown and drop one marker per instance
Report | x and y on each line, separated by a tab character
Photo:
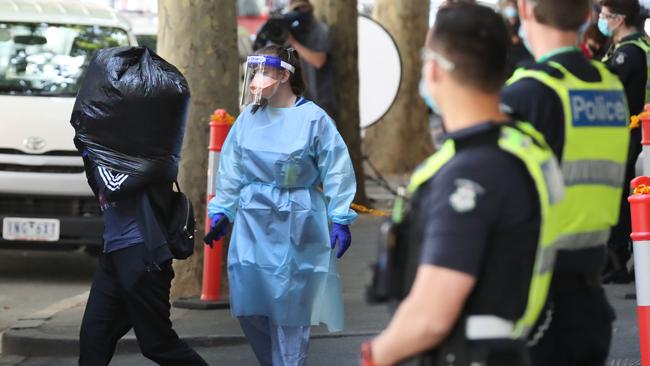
284	174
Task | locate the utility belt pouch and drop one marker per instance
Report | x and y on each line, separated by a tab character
456	350
386	276
389	279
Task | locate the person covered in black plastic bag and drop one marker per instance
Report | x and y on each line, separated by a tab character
129	119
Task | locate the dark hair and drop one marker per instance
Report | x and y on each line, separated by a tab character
565	15
476	39
594	34
290	56
630	9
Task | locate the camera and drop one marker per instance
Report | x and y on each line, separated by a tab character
276	30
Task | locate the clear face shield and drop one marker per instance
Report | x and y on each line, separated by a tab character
262	78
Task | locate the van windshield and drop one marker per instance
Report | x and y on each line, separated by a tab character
50	59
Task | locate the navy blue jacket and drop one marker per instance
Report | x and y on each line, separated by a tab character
153	203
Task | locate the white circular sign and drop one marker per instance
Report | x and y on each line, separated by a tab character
380	71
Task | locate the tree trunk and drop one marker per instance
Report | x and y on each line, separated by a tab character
341	16
401	139
200	38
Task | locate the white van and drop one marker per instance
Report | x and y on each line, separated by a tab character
45	47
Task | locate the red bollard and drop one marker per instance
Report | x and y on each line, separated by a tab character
640	210
220	123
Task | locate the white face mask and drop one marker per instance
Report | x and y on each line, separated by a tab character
260	84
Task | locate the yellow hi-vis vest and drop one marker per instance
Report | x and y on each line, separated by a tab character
642	43
594	155
529	146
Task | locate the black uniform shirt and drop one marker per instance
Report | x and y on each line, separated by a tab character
530	100
480	215
629	63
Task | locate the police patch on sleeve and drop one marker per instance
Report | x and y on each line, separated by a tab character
620	58
464	197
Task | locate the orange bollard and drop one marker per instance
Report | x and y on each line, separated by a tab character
211	298
640	210
220	123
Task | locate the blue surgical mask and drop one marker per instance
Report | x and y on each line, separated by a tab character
428	100
510	12
604	28
524	38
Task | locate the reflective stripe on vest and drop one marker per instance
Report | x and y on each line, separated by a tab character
642	43
583	240
594	154
528	145
598	172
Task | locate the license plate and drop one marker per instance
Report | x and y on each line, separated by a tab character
18	228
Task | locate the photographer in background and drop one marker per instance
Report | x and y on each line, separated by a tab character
311	39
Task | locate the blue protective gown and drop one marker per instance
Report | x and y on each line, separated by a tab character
280	264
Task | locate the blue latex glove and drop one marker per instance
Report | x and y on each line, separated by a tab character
218	228
341	234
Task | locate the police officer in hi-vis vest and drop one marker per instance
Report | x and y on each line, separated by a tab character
479	232
581	109
628	58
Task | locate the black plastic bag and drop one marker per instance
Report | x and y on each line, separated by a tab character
131	111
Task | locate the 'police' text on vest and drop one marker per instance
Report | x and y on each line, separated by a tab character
598	108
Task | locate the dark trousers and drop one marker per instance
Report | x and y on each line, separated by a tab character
492	357
620	236
456	350
125	295
580	331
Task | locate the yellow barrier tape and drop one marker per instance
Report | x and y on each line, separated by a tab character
641	189
370	211
364	210
635	121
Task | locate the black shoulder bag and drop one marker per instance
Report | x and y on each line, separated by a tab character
182	225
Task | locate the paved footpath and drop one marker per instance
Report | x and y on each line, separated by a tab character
51	337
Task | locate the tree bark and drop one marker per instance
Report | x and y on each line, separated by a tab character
341	16
200	38
401	139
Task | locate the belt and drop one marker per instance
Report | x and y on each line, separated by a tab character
575	281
